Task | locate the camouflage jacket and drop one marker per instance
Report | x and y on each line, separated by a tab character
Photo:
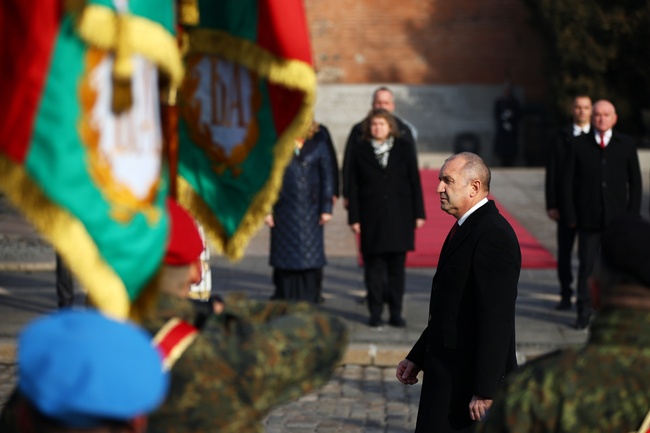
601	387
245	361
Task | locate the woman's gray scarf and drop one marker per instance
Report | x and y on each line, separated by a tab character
382	150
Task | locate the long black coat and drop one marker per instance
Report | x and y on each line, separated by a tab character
601	185
307	189
385	201
469	344
555	164
355	138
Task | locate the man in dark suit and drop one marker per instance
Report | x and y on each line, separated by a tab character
469	344
581	113
602	182
381	98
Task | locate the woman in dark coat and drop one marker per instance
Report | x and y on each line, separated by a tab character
303	207
385	207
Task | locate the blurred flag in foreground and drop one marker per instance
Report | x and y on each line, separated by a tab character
80	148
248	93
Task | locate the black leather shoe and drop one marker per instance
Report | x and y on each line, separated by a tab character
375	322
397	322
565	304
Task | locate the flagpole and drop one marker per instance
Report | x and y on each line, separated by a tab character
169	119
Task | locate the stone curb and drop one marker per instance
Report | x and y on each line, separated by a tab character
373	354
28	266
7	353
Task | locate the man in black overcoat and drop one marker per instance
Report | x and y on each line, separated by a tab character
469	344
602	182
554	185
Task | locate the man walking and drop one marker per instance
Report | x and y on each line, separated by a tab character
602	182
581	113
469	344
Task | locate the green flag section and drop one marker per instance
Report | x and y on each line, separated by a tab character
81	148
248	93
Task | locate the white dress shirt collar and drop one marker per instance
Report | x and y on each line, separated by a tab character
608	136
577	129
472	210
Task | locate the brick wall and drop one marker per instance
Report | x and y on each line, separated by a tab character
416	42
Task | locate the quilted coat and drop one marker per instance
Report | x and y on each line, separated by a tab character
307	189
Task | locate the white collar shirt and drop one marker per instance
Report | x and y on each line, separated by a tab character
472	210
578	130
608	137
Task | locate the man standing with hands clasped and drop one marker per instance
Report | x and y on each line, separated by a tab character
469	344
602	182
554	182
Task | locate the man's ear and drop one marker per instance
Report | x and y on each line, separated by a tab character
475	187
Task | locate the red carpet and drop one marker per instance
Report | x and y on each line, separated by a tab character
429	239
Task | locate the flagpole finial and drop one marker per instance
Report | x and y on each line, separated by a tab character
122	67
189	12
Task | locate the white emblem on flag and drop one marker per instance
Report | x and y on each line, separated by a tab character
125	149
221	100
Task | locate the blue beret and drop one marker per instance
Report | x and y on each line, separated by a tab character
82	368
624	247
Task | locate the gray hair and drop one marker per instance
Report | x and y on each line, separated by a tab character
474	168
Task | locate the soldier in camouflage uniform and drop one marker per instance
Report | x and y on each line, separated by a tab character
604	386
227	375
243	362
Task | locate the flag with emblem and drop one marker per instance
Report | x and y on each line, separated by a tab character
248	93
81	144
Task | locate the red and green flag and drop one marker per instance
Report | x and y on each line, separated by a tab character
248	93
81	144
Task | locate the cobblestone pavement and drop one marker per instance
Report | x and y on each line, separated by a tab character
358	399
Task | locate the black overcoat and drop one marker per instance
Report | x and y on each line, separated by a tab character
469	344
307	189
356	137
601	184
385	201
555	163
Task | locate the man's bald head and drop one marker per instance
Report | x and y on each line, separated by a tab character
604	116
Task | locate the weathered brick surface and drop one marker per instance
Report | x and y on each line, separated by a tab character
425	42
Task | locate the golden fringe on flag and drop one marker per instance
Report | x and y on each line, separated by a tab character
292	74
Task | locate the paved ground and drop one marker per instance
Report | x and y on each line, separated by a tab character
363	395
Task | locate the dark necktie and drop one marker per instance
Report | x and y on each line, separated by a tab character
602	140
452	232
